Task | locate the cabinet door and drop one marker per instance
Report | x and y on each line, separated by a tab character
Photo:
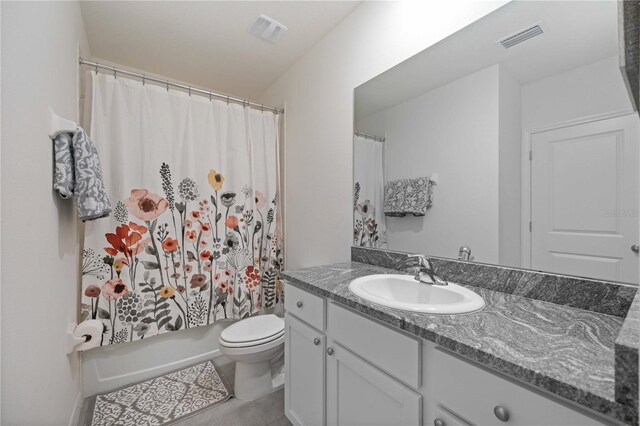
360	394
305	373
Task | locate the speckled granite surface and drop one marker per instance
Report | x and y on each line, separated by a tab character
626	352
593	295
564	350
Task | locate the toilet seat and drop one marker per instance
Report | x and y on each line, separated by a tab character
254	331
250	344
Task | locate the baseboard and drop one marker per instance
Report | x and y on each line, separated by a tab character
75	413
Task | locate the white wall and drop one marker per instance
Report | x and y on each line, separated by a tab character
318	91
590	90
452	131
40	384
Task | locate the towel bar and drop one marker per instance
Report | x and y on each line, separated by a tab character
59	125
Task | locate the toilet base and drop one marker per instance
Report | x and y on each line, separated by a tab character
253	380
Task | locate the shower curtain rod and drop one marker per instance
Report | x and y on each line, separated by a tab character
168	83
372	137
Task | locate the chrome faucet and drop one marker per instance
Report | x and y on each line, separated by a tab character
425	273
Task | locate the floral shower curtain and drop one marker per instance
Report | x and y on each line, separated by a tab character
195	235
368	193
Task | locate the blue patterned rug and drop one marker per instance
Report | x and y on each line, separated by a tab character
162	400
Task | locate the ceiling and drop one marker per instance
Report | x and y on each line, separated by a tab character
575	33
206	43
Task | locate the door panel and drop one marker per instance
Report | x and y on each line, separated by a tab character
360	394
584	199
305	372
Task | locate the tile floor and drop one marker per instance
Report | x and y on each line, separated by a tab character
266	411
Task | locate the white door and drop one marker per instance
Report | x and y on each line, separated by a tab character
305	372
360	394
584	199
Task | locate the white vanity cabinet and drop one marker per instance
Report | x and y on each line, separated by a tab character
343	368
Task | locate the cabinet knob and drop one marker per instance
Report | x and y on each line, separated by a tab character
635	248
329	351
299	304
439	422
316	341
501	413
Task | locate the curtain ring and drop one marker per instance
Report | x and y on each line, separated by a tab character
143	79
261	108
189	90
167	85
96	68
227	101
114	73
209	96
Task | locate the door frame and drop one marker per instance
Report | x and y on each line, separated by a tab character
525	198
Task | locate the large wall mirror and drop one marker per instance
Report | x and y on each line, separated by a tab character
515	137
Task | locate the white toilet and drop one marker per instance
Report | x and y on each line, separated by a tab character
254	343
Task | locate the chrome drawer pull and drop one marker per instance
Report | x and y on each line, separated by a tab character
316	341
299	304
438	422
501	413
329	351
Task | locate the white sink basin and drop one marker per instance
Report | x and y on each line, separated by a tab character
404	292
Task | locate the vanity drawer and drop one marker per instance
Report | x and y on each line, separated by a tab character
473	393
304	305
395	353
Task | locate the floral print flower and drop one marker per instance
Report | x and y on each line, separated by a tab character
206	266
145	205
187	223
166	292
114	289
215	180
126	240
370	225
170	245
231	222
205	228
130	308
252	276
365	208
188	189
195	214
260	200
119	263
231	240
191	236
187	269
180	289
228	198
198	280
205	255
92	291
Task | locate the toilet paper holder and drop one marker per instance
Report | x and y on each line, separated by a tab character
73	341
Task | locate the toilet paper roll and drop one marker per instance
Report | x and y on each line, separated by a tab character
91	330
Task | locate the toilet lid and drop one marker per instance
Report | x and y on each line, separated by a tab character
253	329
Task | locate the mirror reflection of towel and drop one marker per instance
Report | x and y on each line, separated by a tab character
408	196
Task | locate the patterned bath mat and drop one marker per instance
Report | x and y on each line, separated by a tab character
162	400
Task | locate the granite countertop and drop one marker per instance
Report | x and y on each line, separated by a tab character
564	350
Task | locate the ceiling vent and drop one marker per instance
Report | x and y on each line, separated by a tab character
521	36
267	29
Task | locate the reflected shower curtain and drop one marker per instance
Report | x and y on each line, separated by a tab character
368	193
195	232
